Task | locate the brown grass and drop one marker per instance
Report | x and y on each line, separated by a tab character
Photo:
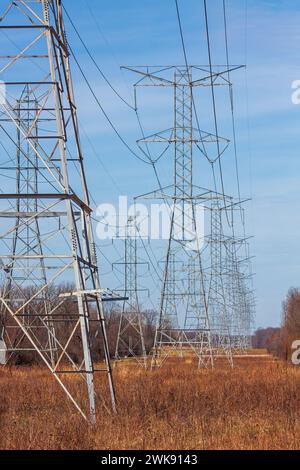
255	406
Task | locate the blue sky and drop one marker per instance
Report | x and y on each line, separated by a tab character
264	35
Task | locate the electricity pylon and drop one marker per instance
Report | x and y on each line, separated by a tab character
51	299
27	237
236	283
218	301
130	339
200	341
244	298
184	318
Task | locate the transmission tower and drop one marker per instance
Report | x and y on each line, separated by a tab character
218	302
237	277
27	237
184	318
130	339
51	299
244	297
200	339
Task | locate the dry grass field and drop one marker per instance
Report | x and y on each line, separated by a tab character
254	406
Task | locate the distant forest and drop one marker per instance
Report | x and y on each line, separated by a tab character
278	341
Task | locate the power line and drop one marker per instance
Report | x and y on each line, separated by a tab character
104	112
181	33
99	158
95	18
95	63
214	104
232	107
213	95
187	68
150	162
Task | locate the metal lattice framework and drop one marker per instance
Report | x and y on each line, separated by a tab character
184	319
130	339
51	299
199	311
218	301
242	306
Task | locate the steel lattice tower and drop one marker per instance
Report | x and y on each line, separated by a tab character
237	275
51	300
202	339
184	320
218	301
27	237
244	302
130	339
195	334
194	311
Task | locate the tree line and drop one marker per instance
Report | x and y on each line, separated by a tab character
279	341
63	321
